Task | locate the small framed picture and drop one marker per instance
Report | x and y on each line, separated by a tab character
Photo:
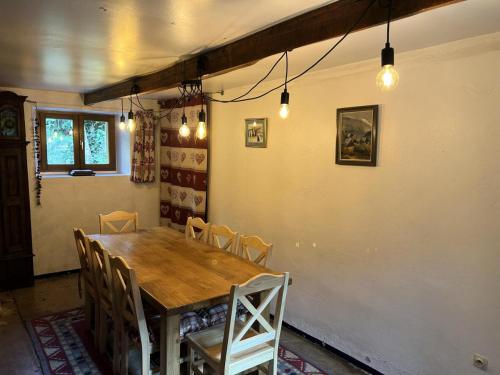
256	132
356	142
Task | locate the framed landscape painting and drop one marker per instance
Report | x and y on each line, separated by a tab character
357	136
256	132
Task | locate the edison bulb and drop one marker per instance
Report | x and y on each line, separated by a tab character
201	132
284	111
122	122
131	124
184	130
387	78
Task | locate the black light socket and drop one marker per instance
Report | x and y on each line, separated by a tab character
184	120
130	115
201	116
285	97
388	55
122	118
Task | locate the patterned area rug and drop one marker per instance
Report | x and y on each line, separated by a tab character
65	347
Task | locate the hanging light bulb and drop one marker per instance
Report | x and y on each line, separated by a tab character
184	130
284	109
131	121
201	132
122	120
388	78
285	96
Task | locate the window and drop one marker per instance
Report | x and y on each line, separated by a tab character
77	141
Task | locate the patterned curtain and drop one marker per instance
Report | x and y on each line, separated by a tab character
184	169
143	158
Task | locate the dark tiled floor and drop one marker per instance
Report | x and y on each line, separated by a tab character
60	293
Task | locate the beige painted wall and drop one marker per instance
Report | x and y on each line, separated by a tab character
69	202
398	265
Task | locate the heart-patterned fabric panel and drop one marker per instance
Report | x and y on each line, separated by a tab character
183	170
184	158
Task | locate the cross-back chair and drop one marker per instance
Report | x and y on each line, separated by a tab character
87	274
128	314
234	346
102	276
110	223
224	238
255	249
203	228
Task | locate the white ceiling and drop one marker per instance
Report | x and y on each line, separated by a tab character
75	45
78	45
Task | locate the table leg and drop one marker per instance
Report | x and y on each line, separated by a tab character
170	345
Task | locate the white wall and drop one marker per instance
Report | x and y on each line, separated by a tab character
406	268
69	202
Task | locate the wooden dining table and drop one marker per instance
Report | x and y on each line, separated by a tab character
177	275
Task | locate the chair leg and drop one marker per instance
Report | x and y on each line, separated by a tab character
124	354
103	331
273	367
97	322
191	361
117	348
88	311
145	358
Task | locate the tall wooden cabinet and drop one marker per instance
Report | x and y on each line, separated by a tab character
16	254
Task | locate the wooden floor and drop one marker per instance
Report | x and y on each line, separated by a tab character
60	293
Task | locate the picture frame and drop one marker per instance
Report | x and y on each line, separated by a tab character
256	132
357	132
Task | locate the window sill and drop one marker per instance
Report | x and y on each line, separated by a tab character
50	175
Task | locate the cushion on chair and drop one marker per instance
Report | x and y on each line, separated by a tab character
217	314
190	322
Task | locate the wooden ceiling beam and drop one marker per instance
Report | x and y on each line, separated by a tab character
327	22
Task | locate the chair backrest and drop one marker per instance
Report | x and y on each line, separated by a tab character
127	303
197	223
118	222
223	238
82	246
255	249
236	339
101	270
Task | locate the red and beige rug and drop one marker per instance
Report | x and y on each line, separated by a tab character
66	348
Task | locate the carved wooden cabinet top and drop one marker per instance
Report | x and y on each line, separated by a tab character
11	116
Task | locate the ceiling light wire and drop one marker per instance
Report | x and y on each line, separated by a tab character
349	31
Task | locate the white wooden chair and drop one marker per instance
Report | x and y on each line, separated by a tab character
255	249
197	223
128	315
223	238
102	276
87	274
234	347
110	223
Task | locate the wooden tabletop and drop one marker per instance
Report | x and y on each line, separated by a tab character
176	274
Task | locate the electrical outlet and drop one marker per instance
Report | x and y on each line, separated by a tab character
297	244
480	362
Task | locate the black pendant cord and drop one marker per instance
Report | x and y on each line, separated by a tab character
286	69
201	93
313	65
389	17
